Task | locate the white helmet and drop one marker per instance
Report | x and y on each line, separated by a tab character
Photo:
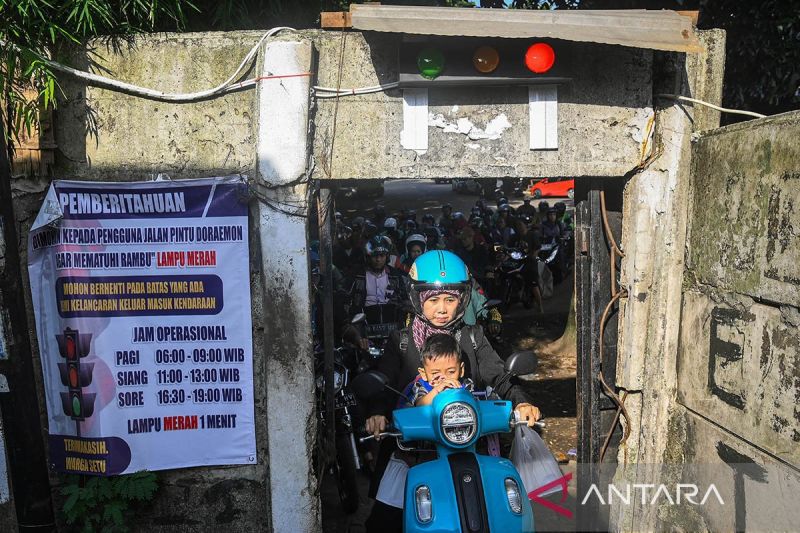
417	238
390	223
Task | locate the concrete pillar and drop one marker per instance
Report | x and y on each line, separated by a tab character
283	155
653	238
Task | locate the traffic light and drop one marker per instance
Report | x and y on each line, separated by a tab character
73	347
466	61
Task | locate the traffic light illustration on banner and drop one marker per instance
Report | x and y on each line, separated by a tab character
74	346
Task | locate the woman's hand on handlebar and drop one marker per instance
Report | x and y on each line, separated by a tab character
376	424
528	413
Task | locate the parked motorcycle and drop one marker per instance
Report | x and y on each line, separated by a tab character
347	361
459	490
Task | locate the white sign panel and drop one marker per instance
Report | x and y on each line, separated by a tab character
543	108
142	299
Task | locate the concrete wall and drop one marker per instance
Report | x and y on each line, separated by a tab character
739	355
708	337
602	114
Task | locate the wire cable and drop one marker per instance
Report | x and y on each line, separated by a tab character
712	106
152	94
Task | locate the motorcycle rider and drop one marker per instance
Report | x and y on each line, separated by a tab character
431	232
440	292
378	285
551	228
526	208
347	257
446	220
390	230
416	244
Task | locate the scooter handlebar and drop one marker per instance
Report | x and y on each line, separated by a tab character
381	435
540	424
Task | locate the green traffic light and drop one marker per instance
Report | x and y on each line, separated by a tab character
76	406
430	63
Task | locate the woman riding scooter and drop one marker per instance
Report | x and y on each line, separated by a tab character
440	292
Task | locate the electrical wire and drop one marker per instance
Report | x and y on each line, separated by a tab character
712	106
330	92
152	94
227	87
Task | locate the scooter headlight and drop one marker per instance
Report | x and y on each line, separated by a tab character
513	495
459	423
422	497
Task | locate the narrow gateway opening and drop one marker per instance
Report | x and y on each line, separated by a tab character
503	230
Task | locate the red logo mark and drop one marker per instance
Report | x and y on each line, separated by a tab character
562	481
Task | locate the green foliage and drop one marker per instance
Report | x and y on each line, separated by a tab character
34	31
100	503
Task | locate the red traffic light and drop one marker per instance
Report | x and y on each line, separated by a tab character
540	57
72	349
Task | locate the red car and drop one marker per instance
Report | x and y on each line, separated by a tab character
558	187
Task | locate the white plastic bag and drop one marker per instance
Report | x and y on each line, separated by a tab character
536	465
545	280
391	490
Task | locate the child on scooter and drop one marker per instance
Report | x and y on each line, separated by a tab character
441	368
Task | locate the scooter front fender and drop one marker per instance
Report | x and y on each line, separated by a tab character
466	488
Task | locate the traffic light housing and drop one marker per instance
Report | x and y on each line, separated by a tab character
466	61
74	346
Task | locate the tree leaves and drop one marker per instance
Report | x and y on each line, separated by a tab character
100	503
32	31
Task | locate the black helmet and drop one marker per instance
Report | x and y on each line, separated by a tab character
543	206
411	215
344	232
380	244
504	208
358	222
447	206
560	208
428	218
409	224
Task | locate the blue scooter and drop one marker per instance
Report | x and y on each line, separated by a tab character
460	491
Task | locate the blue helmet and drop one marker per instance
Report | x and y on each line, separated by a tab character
440	270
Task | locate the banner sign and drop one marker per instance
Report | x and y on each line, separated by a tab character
142	299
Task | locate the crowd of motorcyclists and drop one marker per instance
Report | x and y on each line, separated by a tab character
483	238
390	296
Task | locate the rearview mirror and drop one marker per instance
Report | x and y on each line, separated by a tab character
491	304
521	363
369	384
351	335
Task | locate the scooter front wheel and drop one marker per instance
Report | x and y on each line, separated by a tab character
346	475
